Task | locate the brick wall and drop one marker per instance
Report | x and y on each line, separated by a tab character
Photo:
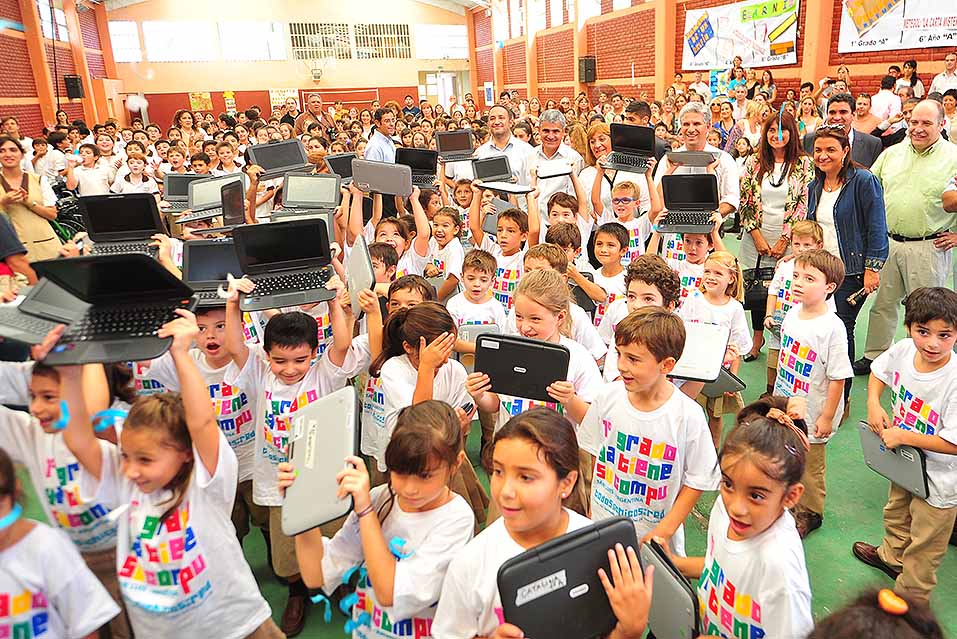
91	35
515	63
28	116
606	6
10	10
74	110
890	57
555	93
96	65
555	53
16	81
64	66
483	28
619	42
485	66
627	90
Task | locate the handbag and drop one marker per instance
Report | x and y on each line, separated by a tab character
757	280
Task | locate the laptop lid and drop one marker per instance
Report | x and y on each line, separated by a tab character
421	161
703	354
520	366
234	203
493	169
121	217
310	191
382	177
52	302
176	186
674	608
629	138
359	272
694	192
906	466
207	194
114	280
282	246
454	142
279	156
341	164
206	263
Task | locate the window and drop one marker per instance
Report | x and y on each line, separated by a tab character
441	42
536	15
320	40
53	26
126	42
383	41
252	41
180	41
558	12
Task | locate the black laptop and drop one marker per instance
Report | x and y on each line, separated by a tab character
454	146
121	223
341	164
288	262
233	197
279	158
309	195
520	366
423	163
205	266
632	147
495	173
117	304
176	189
690	200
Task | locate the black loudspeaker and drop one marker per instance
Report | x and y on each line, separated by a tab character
586	69
74	86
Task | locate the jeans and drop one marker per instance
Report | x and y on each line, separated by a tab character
848	315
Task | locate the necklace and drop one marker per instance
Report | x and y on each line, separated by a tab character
780	179
831	189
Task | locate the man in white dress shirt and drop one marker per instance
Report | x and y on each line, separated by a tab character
551	127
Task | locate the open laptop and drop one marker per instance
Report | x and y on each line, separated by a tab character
359	273
29	324
119	302
690	200
176	189
631	148
309	195
288	262
553	590
520	366
205	266
382	177
906	466
279	158
206	197
121	223
454	146
495	173
341	164
703	355
423	163
233	196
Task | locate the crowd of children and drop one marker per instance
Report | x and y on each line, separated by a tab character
155	493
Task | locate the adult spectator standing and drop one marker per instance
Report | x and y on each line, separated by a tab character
502	142
739	106
909	78
946	79
28	201
551	128
883	130
700	87
885	103
381	147
617	108
314	113
840	111
292	112
409	108
914	176
638	113
11	126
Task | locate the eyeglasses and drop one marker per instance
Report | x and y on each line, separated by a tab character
622	200
835	128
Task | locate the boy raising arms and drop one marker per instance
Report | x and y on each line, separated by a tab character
643	433
922	374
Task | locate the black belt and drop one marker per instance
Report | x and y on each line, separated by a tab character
904	238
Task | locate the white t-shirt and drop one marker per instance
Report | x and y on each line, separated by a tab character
757	587
411	263
233	409
697	308
15	382
639	230
584	332
588	176
813	352
470	605
582	373
55	474
397	380
92	181
145	185
447	259
508	273
780	288
187	571
274	404
141	384
925	403
690	275
825	217
643	459
465	312
47	591
432	539
614	286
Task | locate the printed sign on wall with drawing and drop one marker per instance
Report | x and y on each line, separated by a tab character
763	33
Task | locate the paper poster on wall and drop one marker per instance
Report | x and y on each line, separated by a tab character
278	97
718	82
885	25
229	98
489	91
763	33
200	101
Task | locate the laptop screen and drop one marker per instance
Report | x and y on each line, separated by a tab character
494	167
690	192
628	137
114	278
176	185
277	155
119	214
341	165
208	193
285	244
453	141
234	203
306	190
419	160
210	261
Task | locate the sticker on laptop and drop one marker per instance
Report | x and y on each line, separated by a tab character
540	588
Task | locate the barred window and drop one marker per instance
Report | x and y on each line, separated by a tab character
383	41
320	40
126	41
52	21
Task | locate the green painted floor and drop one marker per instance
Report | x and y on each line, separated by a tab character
856	496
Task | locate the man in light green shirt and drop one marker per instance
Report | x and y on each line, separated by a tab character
914	175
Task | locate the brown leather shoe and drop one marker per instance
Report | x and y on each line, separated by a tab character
868	554
807	522
294	616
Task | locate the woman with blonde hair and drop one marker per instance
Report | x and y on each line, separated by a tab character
577	138
747	127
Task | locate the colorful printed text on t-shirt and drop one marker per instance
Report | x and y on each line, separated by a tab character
84	522
324	327
141	385
628	469
784	301
250	329
414	628
602	308
795	365
911	412
674	247
506	279
636	246
278	417
237	424
726	611
23	615
689	284
517	405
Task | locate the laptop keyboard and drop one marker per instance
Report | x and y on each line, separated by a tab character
209	296
115	248
697	218
128	321
178	206
283	283
208	214
423	180
640	163
27	323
